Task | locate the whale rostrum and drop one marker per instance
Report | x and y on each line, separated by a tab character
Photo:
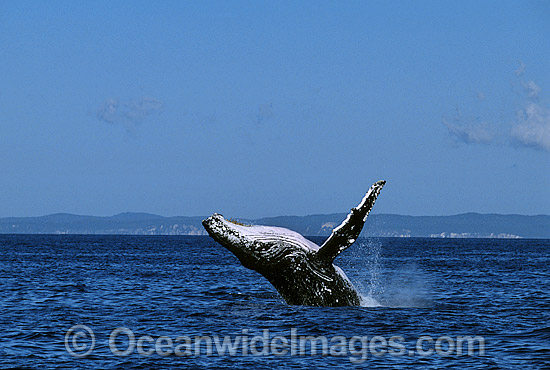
302	272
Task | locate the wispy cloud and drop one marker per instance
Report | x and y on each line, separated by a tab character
521	69
532	128
531	88
128	114
470	133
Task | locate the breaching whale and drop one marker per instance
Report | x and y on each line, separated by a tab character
301	271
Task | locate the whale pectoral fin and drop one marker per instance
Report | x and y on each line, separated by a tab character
345	235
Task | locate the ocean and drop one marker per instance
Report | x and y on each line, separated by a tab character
185	302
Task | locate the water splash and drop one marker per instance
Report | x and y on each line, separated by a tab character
365	268
367	301
386	286
374	267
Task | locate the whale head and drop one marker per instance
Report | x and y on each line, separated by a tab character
258	247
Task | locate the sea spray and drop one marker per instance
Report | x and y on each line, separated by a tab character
365	270
408	286
398	285
374	267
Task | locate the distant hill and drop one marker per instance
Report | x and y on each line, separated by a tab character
123	223
467	225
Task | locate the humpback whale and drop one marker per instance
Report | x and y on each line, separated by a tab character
302	272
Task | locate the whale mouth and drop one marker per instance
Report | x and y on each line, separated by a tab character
233	237
217	225
226	232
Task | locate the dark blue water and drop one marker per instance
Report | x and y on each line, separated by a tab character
190	286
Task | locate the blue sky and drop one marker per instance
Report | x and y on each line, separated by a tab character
257	108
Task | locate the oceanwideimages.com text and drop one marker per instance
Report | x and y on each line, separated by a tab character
80	341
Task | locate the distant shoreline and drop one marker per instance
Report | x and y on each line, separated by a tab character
468	225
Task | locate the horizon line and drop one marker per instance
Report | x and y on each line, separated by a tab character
268	217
